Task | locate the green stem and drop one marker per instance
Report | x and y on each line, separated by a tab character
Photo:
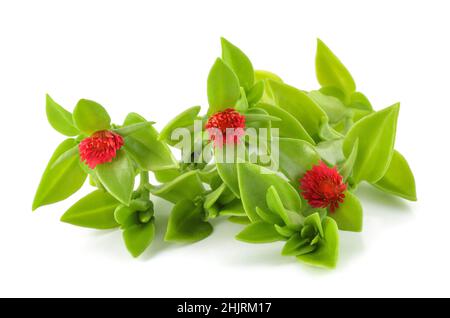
143	185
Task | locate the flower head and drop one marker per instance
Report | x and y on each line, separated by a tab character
323	187
99	148
225	127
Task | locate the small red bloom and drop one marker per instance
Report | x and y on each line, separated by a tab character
323	187
225	127
99	148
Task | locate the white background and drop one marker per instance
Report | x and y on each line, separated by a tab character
153	57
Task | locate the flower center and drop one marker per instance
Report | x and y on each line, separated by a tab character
225	127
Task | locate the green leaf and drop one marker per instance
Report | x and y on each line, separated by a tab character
164	176
289	127
186	223
95	210
331	72
333	107
90	116
59	118
300	106
144	147
212	197
138	237
125	216
269	216
359	101
293	245
256	92
62	179
347	166
117	177
254	181
349	215
223	87
331	151
264	77
239	220
187	186
182	120
259	232
239	63
327	251
376	135
398	179
233	208
292	219
296	157
226	159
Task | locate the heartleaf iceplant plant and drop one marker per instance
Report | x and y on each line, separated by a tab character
297	185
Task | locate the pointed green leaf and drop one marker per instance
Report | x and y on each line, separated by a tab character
293	245
289	127
95	210
239	63
333	107
254	181
256	92
184	119
234	208
145	148
296	157
239	220
347	166
398	179
226	158
259	232
186	223
349	215
292	219
360	101
327	251
269	216
138	237
187	186
59	118
223	87
331	151
376	135
62	179
331	72
90	116
300	106
118	177
164	176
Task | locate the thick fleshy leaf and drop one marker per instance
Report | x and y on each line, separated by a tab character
259	232
300	106
239	63
331	72
223	87
331	151
349	215
59	118
182	120
254	181
255	94
95	210
118	177
226	165
398	179
327	251
164	176
187	186
296	157
186	223
360	101
145	148
61	178
264	77
333	107
292	219
138	237
346	168
293	245
212	197
234	208
376	135
289	127
90	116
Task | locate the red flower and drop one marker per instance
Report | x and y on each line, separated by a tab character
323	187
99	148
225	127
